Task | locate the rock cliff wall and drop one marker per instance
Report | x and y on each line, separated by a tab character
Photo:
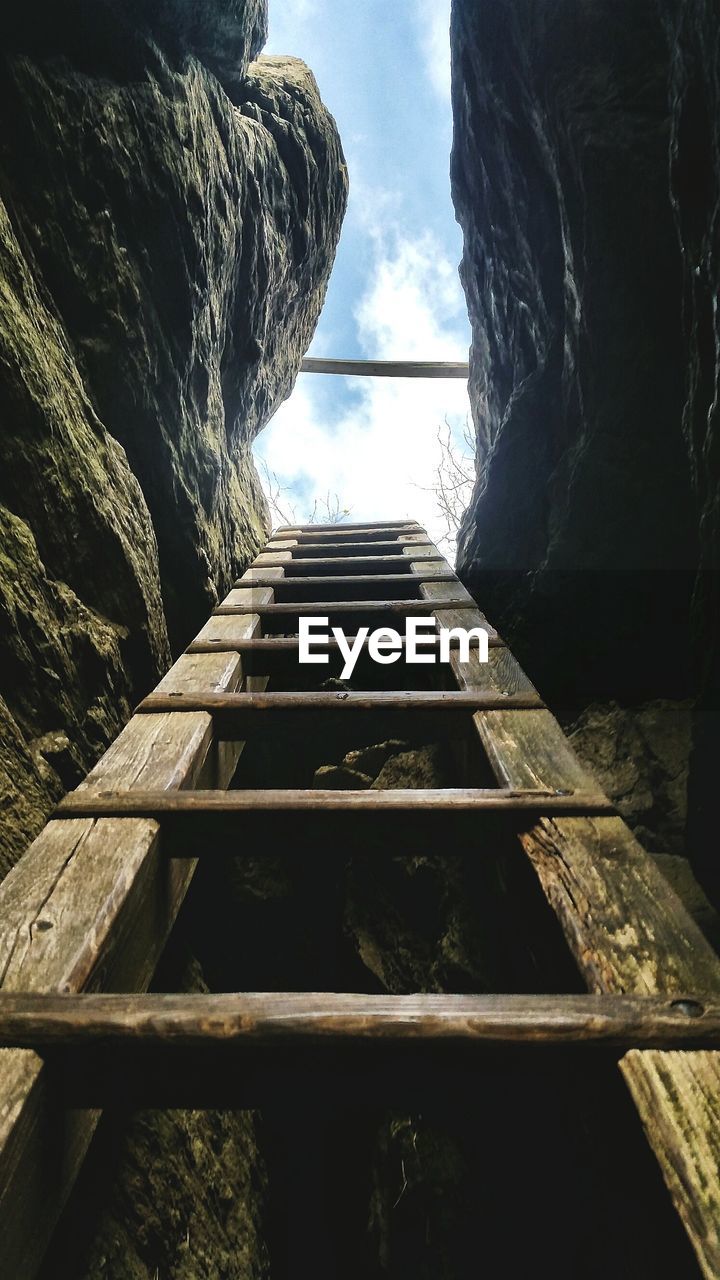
586	174
168	220
169	212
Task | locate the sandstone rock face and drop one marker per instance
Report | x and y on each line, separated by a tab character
170	211
169	1193
585	176
693	33
639	756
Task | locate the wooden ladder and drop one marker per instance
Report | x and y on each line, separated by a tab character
87	911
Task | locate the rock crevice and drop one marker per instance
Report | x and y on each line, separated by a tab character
586	177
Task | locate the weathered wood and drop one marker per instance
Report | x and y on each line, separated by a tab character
594	873
358	533
271	558
261	577
432	570
677	1095
422	551
275	645
219	631
628	932
626	928
388	368
199	808
387	546
349	564
315	608
198	1021
336	579
241	714
291	582
409	526
91	904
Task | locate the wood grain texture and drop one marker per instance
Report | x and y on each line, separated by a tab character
433	569
388	368
677	1095
287	580
625	926
198	808
628	932
271	559
334	564
90	905
261	576
421	550
403	608
357	532
344	547
236	715
231	642
409	526
42	1021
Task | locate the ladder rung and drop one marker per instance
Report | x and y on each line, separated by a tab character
237	714
204	806
273	646
35	1021
403	526
312	608
342	580
361	533
394	545
243	1051
350	564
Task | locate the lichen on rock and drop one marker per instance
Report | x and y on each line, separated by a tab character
166	240
170	205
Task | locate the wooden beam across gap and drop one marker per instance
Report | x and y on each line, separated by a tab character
388	368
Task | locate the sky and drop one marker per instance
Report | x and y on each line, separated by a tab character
383	70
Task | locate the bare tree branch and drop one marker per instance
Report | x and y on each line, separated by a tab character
327	510
454	482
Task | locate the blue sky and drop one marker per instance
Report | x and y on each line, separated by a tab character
384	71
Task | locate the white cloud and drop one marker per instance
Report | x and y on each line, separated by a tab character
407	313
434	29
286	18
377	447
381	454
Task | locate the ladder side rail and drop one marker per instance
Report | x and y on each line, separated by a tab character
90	905
627	930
